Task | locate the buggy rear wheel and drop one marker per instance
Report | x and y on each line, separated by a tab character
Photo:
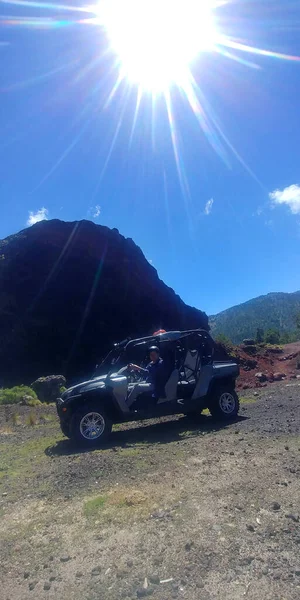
224	404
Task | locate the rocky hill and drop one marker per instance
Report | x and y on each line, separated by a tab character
274	311
68	291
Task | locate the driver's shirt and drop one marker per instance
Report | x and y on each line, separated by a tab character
158	377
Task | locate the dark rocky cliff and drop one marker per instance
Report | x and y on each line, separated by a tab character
69	290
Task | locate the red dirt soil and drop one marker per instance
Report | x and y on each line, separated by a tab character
269	361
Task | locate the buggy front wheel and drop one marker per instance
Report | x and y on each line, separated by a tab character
90	426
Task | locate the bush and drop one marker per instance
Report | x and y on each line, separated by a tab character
16	394
224	341
272	337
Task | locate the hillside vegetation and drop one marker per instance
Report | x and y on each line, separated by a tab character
275	311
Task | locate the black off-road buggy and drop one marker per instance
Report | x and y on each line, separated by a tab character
196	381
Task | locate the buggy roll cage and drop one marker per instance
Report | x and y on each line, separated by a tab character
166	337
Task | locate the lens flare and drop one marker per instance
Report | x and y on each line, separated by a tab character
156	47
156	41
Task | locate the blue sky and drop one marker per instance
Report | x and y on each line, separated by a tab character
219	229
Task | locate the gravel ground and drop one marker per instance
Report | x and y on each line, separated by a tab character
170	509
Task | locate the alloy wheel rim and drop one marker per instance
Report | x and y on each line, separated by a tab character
227	403
92	426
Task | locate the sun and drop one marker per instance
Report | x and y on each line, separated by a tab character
155	41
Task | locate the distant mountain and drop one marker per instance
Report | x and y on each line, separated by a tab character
273	311
69	290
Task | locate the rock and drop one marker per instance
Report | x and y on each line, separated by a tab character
154	578
297	572
286	447
31	285
47	586
32	585
188	546
261	377
256	394
27	400
5	494
130	563
65	558
250	528
279	376
52	578
294	518
96	571
26	574
275	506
249	342
48	388
247	560
143	592
79	574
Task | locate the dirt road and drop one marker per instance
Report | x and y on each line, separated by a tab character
169	510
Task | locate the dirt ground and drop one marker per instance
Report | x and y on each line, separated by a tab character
171	509
284	360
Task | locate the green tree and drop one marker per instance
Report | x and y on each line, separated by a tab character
224	340
286	338
272	336
260	335
298	320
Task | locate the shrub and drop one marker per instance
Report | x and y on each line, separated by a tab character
16	394
272	337
31	420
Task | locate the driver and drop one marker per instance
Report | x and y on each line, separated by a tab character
156	377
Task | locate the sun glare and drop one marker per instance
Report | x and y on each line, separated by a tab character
156	40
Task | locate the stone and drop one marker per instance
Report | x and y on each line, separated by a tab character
294	518
27	400
279	376
130	563
275	506
261	377
250	528
26	574
143	592
247	560
96	571
65	558
79	574
47	586
32	585
154	578
48	389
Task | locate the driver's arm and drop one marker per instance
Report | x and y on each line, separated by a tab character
137	368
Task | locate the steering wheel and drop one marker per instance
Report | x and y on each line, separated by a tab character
133	375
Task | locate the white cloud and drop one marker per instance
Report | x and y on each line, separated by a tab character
289	196
95	211
36	217
208	206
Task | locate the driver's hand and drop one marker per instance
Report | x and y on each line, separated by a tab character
133	367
